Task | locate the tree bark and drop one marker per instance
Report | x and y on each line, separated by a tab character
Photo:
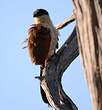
89	31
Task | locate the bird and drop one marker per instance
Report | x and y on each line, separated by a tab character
42	41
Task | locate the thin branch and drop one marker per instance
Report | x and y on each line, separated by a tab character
67	21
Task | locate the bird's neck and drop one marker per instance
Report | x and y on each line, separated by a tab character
45	20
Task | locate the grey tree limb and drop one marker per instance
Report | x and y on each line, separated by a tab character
53	72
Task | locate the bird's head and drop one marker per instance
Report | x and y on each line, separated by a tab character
40	12
41	16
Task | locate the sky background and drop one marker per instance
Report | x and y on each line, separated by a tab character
18	88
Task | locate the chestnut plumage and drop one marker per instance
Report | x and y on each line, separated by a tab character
39	43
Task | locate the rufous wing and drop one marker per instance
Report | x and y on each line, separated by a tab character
39	39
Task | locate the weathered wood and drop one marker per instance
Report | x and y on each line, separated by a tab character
52	74
89	31
67	21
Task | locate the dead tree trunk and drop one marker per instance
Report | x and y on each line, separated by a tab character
89	31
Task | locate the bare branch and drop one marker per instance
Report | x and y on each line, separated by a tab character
67	21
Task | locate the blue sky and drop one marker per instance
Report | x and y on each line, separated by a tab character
18	88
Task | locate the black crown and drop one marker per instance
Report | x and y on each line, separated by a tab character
40	12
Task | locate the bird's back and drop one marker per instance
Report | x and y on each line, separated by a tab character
38	43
